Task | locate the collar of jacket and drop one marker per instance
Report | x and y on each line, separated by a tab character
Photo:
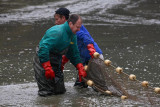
68	29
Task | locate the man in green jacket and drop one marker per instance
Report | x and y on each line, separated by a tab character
58	40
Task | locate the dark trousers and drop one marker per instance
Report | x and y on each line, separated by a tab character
48	86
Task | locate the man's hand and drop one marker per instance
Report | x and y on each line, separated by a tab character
49	73
81	71
64	61
91	49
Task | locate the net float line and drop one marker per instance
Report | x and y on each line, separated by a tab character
111	83
103	90
131	76
119	70
91	84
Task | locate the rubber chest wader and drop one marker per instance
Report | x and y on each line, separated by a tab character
48	86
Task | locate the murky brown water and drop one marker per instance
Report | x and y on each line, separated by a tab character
126	31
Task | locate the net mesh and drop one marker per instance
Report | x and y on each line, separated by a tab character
107	81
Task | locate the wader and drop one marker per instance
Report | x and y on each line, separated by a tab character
47	86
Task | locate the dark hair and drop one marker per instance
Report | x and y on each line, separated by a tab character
63	12
73	18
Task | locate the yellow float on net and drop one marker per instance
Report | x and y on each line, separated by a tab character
108	92
90	83
144	83
107	62
123	97
119	70
157	90
132	77
96	55
85	67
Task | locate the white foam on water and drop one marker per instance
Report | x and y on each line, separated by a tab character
92	10
45	11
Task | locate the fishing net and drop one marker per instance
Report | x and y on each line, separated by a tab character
109	80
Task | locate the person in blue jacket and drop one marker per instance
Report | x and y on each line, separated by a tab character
57	41
86	45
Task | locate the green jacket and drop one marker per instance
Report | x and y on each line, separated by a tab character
56	40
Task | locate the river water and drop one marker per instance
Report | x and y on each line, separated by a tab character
127	31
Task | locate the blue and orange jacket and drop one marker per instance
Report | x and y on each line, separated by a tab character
83	39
